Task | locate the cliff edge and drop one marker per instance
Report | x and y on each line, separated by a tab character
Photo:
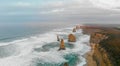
105	46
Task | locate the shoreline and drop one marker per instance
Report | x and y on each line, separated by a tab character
89	60
99	55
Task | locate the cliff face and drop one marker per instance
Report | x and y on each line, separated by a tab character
99	54
97	37
112	47
105	46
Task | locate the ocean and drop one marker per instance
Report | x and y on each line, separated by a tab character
37	45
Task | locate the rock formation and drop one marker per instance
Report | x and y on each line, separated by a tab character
105	46
71	38
96	37
74	29
58	39
99	54
78	26
66	64
62	45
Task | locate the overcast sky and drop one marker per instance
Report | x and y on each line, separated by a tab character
85	11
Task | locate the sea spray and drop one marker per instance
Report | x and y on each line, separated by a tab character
41	50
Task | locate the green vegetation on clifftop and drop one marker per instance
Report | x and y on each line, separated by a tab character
112	46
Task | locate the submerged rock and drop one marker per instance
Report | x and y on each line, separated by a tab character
62	45
66	64
71	38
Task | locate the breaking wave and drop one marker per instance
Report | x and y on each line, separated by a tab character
42	50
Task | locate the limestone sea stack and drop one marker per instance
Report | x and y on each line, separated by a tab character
77	26
58	39
74	29
62	45
71	38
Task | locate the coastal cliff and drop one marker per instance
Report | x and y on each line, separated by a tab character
99	54
105	46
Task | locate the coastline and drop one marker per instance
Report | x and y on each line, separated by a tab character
99	55
89	59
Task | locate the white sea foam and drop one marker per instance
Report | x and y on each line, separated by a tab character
27	56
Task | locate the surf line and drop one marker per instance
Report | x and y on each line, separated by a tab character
71	38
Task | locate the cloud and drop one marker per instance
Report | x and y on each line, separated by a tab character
57	10
54	11
107	4
64	6
22	4
79	4
63	10
55	4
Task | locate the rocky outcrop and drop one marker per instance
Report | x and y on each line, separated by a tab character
77	27
99	54
111	47
97	37
62	45
74	29
58	39
71	38
105	45
66	64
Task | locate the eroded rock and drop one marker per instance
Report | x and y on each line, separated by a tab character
74	29
58	39
71	38
66	64
62	45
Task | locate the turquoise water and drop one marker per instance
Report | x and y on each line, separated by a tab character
38	46
72	61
